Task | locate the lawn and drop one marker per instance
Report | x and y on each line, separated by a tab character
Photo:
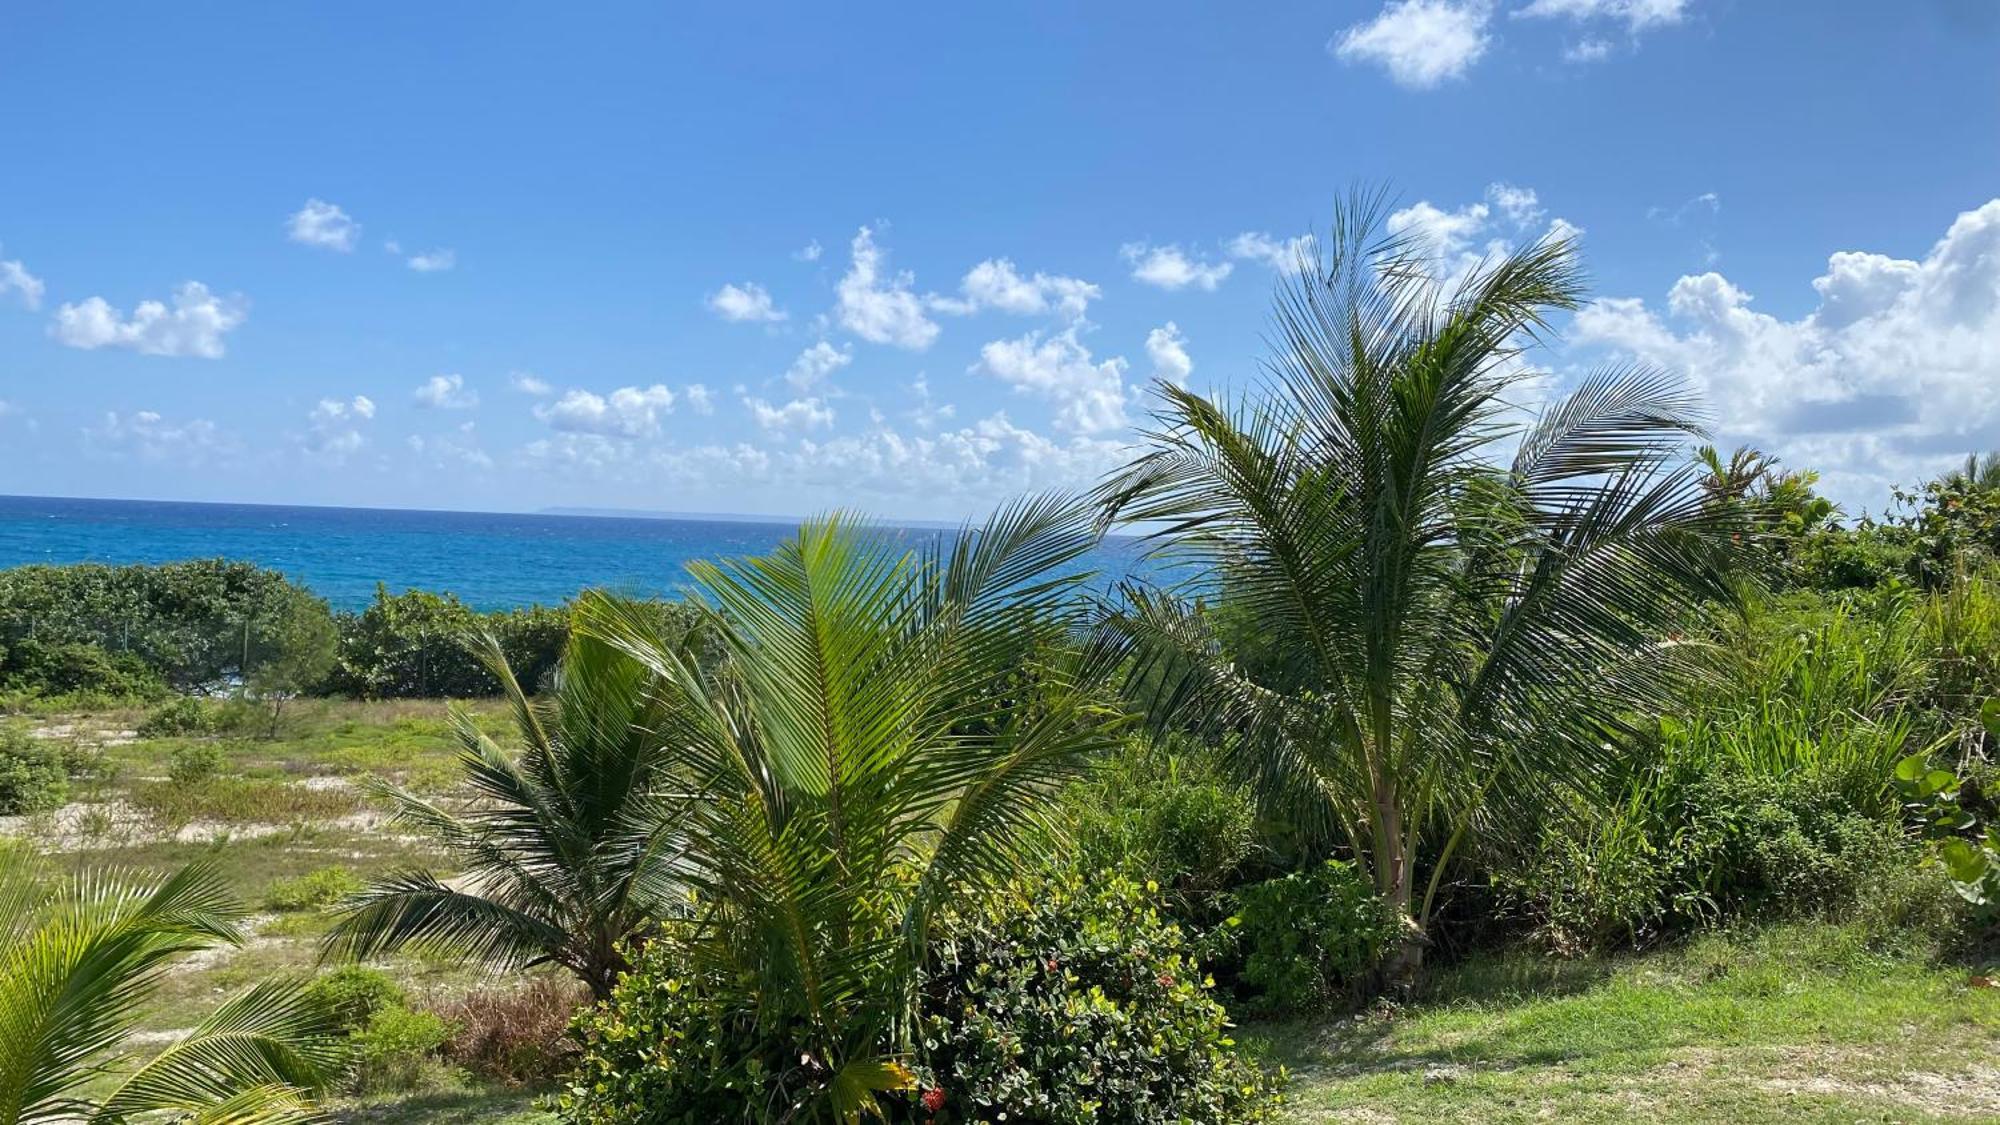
1792	1023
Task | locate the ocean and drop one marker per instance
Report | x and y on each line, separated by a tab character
491	560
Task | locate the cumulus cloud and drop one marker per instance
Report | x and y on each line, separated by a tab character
446	392
1089	395
151	437
1281	254
798	414
1636	15
1454	242
815	364
333	428
1893	375
810	252
1167	348
698	398
433	261
26	287
746	302
324	225
528	383
996	284
1171	268
878	306
1420	43
628	412
927	413
194	326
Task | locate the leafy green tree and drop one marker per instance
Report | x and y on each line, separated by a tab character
887	730
296	644
79	961
1442	641
567	856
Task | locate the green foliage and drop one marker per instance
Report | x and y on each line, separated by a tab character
185	621
352	994
33	776
183	715
1961	821
37	667
1163	813
193	763
1080	1004
80	960
1048	1002
1310	937
1441	644
400	1050
315	890
416	645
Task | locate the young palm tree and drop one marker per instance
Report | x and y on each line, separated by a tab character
566	856
887	725
80	958
1978	474
1425	641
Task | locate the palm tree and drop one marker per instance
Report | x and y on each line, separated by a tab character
888	725
1414	642
565	855
81	959
1976	475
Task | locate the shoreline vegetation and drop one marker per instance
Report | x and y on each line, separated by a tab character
1612	779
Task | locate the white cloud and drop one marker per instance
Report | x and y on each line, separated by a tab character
451	450
995	284
1167	348
1636	15
878	307
15	278
433	261
1168	267
1456	241
1587	51
1421	43
1894	374
1281	254
446	392
748	301
193	327
815	364
1090	395
333	430
798	414
698	398
324	225
927	413
151	437
810	252
528	383
628	412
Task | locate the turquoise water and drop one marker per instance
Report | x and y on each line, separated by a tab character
491	560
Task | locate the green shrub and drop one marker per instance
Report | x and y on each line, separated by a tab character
352	994
1166	815
194	763
1311	936
399	1050
32	774
1052	1002
76	668
185	715
315	890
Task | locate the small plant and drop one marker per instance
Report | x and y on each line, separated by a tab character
1311	935
315	890
32	776
193	764
401	1050
184	716
352	994
1962	823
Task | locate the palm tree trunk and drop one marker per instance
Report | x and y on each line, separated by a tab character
1395	880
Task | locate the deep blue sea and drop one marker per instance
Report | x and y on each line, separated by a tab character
490	560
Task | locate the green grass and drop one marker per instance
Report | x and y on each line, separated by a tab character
1797	1023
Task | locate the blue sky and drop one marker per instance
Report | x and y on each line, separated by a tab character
774	258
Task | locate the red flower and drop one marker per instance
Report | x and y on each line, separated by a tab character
933	1099
1164	980
1050	965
